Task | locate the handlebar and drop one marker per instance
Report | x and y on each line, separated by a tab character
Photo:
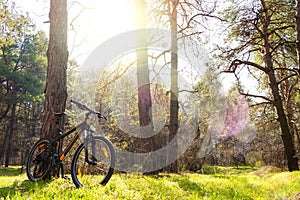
84	107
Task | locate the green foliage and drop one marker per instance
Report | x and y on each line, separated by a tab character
210	98
22	57
22	81
222	183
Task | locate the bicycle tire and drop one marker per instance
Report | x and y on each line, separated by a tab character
39	160
86	174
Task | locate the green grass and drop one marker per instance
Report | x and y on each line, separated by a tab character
215	183
11	171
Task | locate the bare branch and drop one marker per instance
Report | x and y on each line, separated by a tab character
256	96
286	69
261	103
234	64
286	78
116	77
190	91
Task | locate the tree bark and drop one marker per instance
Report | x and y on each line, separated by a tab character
57	54
174	107
298	33
286	134
5	132
10	134
144	90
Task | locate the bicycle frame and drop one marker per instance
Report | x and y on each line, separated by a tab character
84	126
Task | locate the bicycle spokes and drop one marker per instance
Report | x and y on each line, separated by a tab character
93	163
39	160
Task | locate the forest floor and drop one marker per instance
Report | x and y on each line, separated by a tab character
212	183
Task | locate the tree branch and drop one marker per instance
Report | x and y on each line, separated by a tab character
279	82
234	64
256	96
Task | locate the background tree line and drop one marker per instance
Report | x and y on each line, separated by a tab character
257	38
22	78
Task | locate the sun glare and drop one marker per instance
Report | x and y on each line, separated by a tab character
91	22
101	20
111	17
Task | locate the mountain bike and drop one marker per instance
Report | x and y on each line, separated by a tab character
93	162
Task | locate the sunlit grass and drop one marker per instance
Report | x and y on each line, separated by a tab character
221	183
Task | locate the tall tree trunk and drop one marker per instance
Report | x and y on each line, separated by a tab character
298	33
144	91
57	54
10	134
277	100
286	134
5	132
34	120
174	107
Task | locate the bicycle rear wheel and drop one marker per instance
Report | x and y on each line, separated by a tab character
91	168
39	160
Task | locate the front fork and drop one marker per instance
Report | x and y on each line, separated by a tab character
57	161
90	147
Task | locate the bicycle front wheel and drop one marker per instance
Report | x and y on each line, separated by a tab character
39	160
93	164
